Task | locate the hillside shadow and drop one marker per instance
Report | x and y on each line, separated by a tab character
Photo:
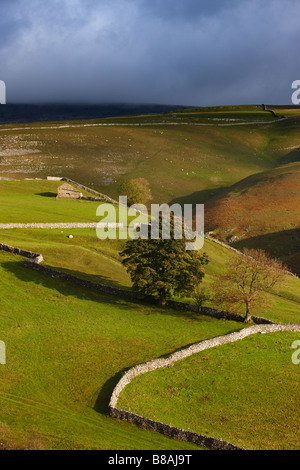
198	197
69	288
282	244
291	238
96	278
47	194
291	157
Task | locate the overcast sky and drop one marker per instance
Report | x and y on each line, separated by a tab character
189	52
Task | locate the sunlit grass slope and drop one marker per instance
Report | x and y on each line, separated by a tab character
66	349
260	204
189	156
246	393
35	201
262	210
88	257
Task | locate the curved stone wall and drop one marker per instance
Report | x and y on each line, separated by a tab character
34	260
159	363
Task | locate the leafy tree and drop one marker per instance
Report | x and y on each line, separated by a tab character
163	268
199	296
246	279
137	191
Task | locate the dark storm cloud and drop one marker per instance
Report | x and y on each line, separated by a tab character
164	51
11	22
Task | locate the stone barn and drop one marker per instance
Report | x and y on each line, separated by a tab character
67	191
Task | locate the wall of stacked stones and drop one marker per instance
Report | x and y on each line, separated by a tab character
262	326
169	361
91	191
172	431
33	257
34	263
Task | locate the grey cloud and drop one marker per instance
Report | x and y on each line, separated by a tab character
190	10
165	51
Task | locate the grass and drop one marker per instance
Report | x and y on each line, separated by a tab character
261	210
88	257
66	346
185	162
281	306
193	161
260	204
245	393
85	255
66	349
35	201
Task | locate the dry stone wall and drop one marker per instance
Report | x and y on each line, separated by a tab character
193	349
81	282
35	259
49	225
92	191
173	432
199	439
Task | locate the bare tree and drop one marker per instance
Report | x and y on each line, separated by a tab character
246	280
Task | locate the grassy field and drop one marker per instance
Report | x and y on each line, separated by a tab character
218	156
66	349
85	255
246	393
181	161
98	260
35	201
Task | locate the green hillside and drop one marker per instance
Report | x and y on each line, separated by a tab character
245	393
66	348
188	156
87	257
261	210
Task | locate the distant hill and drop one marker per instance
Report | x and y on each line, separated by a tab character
26	113
241	161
